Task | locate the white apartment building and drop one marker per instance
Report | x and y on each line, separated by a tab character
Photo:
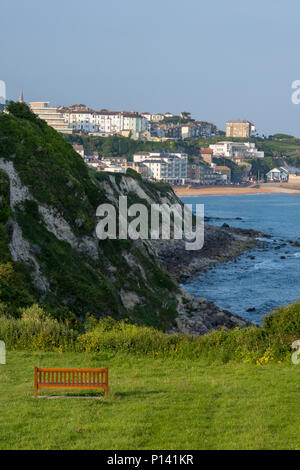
84	126
114	168
106	122
164	166
147	115
134	123
236	149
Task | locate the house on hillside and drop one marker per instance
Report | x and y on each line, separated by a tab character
278	174
79	149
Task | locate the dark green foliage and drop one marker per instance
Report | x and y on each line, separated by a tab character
284	323
158	186
120	146
55	174
175	120
134	174
285	137
21	110
4	198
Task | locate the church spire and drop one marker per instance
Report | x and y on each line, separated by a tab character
20	100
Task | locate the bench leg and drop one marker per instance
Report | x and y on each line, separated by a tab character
35	382
106	392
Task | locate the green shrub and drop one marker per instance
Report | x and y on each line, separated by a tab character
35	330
134	174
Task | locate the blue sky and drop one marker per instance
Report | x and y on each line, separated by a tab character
219	60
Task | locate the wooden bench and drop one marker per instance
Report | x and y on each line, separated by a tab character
70	378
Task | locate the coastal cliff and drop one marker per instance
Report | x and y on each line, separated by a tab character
50	254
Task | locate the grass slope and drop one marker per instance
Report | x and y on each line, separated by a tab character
153	404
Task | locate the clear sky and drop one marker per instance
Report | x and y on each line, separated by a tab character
220	60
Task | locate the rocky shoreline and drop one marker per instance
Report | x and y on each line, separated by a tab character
197	316
220	244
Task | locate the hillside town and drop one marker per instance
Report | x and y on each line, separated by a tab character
214	164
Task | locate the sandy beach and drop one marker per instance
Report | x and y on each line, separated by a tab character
264	188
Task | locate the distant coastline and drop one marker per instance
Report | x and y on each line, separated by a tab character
263	188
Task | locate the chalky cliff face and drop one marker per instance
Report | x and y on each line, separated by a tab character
49	251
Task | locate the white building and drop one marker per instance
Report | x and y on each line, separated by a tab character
134	122
2	92
114	168
236	149
147	116
164	166
105	122
278	174
157	117
79	149
84	126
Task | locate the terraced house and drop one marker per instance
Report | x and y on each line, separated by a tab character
104	121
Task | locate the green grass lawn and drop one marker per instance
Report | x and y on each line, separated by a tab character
153	404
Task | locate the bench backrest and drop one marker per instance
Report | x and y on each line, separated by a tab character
81	377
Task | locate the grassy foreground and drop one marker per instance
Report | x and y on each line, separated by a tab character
153	404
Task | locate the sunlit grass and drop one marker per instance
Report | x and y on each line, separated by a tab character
153	404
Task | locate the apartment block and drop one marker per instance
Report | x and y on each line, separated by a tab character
236	149
201	174
170	167
223	170
104	122
51	115
239	128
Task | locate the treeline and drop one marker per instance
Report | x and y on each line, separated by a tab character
125	146
117	146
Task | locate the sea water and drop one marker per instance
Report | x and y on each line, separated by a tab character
250	287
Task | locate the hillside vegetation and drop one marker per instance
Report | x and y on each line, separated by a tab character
48	249
275	146
270	342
